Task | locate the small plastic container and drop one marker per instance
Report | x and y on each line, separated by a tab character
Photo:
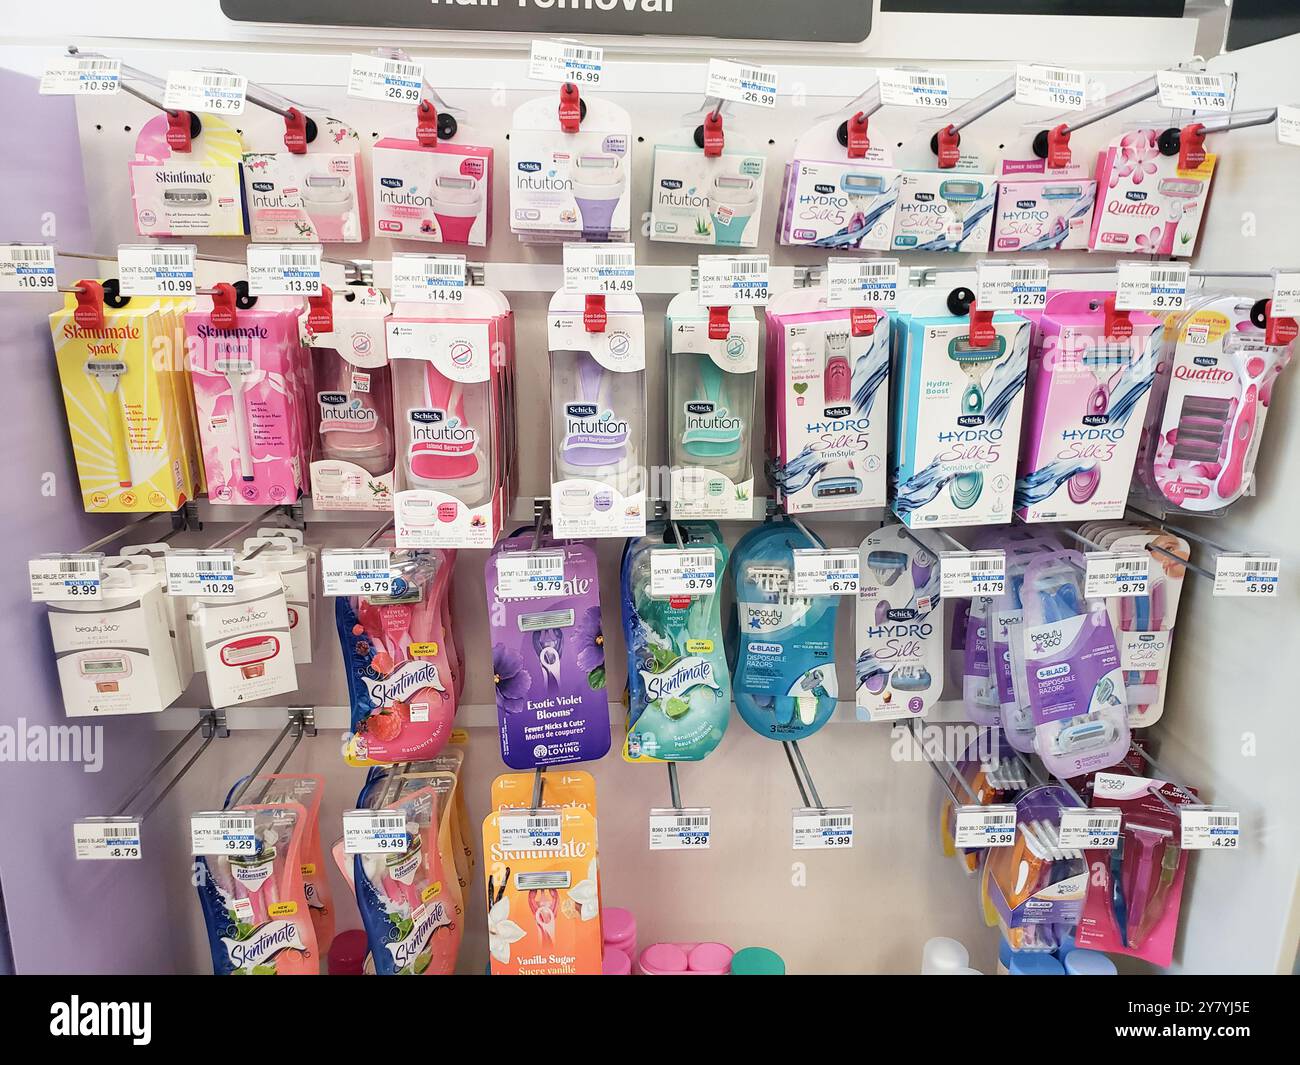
615	963
1025	963
619	929
757	961
1088	963
942	956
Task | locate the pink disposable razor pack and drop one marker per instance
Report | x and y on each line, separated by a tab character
311	197
1042	208
441	194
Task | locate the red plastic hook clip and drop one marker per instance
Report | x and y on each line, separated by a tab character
862	321
426	125
1118	325
594	318
178	131
713	134
295	131
1276	330
1191	146
89	312
858	142
719	323
982	334
224	311
949	147
570	108
1058	147
320	312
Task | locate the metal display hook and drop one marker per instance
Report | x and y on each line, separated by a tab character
448	115
1112	104
802	776
946	141
302	722
207	725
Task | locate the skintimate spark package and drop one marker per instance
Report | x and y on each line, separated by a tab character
679	688
781	646
313	197
548	655
197	192
701	199
899	666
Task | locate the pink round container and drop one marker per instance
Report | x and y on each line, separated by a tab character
663	959
710	959
619	929
615	963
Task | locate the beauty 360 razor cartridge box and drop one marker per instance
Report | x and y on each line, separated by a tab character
441	194
943	210
246	641
312	198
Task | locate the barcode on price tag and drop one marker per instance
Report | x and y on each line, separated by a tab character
428	278
1096	829
1002	285
833	572
682	572
733	280
862	282
829	829
222	833
374	832
530	830
967	573
603	269
365	571
65	578
527	575
680	830
1288	124
566	61
395	80
1112	574
742	82
1196	90
1143	286
914	88
1205	829
214	92
106	841
150	270
274	270
206	573
985	826
1040	86
1253	575
1286	294
27	268
82	76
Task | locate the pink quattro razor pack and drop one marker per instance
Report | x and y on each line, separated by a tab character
1091	370
448	396
439	193
309	198
1042	208
193	193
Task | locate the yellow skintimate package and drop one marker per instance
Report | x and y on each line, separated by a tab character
560	787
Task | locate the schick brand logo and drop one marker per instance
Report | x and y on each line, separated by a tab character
682	675
670	183
583	419
1029	205
837	412
263	186
409	949
970	420
1206	360
824	190
900	613
391	182
264	944
530	167
409	678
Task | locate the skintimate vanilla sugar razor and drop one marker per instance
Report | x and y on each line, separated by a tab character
1072	663
712	371
702	199
899	625
598	416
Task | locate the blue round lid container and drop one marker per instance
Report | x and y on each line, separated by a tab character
1035	964
1088	963
1066	941
1005	953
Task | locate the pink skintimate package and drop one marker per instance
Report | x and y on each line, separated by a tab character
1041	208
441	194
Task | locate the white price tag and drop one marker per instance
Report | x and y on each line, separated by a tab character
1196	90
1059	87
1286	294
154	270
106	840
527	575
862	282
832	572
683	572
985	826
733	280
374	832
530	830
566	61
1002	285
82	76
1141	286
1254	575
1206	829
395	80
829	829
966	573
27	268
1113	574
222	833
681	830
1085	829
914	88
1288	124
207	573
599	269
742	82
215	92
65	578
365	571
274	270
429	278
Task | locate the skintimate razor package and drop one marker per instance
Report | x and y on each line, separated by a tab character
195	192
899	667
1042	208
1089	382
570	170
598	416
712	373
548	658
440	193
832	199
1072	663
679	688
943	210
1213	395
703	199
827	403
309	198
957	419
781	646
